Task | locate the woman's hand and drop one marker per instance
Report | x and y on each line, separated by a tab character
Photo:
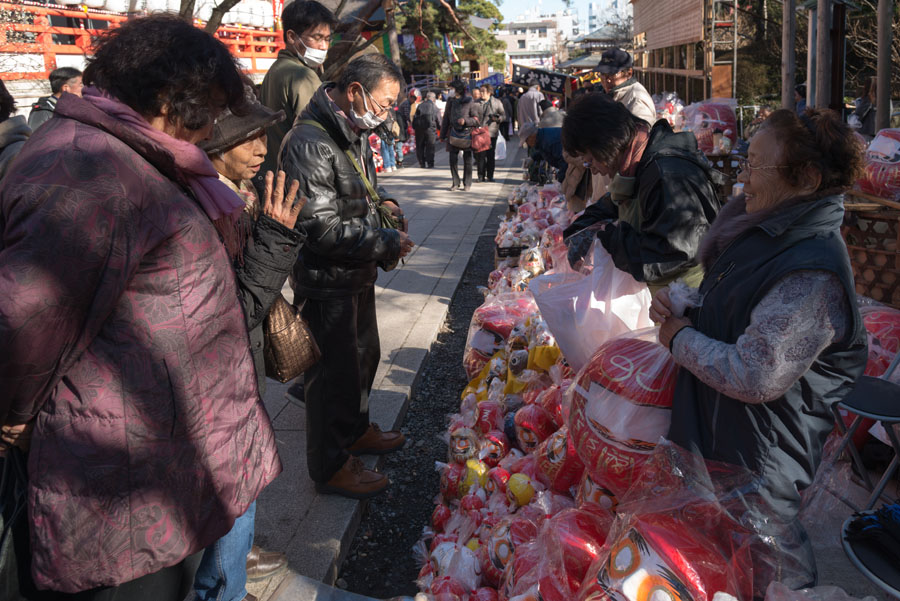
661	307
17	436
460	121
670	327
280	206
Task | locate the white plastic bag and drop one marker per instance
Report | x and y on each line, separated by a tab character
500	151
584	311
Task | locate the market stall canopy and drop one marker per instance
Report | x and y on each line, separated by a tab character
582	62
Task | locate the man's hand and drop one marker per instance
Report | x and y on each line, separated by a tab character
406	245
17	436
280	206
397	214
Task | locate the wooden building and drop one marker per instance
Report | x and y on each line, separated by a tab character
686	46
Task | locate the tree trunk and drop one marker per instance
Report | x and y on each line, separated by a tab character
187	9
883	84
788	54
823	54
218	12
389	7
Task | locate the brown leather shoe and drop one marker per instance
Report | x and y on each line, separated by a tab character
355	481
249	597
264	564
376	442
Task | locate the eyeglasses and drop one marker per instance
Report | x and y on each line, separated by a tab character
744	165
381	109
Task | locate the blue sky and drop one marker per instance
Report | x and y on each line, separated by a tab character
513	8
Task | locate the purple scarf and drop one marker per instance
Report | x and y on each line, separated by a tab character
218	201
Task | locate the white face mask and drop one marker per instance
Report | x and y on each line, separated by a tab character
313	56
369	120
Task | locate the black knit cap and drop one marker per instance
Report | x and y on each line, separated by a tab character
231	130
614	60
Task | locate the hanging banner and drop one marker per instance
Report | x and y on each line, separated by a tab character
555	83
495	79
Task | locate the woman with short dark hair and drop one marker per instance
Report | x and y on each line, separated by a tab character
661	199
123	347
777	340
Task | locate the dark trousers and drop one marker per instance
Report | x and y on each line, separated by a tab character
337	387
425	147
467	166
486	160
504	130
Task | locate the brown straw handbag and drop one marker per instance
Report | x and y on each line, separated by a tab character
289	348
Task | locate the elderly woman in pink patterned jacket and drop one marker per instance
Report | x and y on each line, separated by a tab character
123	347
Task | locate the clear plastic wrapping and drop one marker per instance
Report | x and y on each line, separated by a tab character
620	406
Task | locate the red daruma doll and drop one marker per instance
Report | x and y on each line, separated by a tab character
882	174
710	119
621	406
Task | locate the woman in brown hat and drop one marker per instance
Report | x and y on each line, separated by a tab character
237	149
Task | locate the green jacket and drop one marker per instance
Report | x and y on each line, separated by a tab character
288	86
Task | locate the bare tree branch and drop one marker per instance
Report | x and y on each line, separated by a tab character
335	67
217	13
456	19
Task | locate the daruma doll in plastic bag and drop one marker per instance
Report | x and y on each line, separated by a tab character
491	324
621	406
660	557
559	466
882	173
710	121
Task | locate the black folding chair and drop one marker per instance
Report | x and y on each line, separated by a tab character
878	399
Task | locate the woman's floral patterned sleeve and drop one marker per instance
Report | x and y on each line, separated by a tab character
802	314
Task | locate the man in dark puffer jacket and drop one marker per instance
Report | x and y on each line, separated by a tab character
337	269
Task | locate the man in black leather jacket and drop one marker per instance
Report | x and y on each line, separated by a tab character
336	271
661	198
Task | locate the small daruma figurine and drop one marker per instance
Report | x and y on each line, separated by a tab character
452	477
494	447
463	445
509	533
621	406
593	496
533	426
559	466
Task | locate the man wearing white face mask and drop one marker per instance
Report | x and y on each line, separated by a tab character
294	76
328	152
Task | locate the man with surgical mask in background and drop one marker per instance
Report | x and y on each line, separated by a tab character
328	153
294	76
